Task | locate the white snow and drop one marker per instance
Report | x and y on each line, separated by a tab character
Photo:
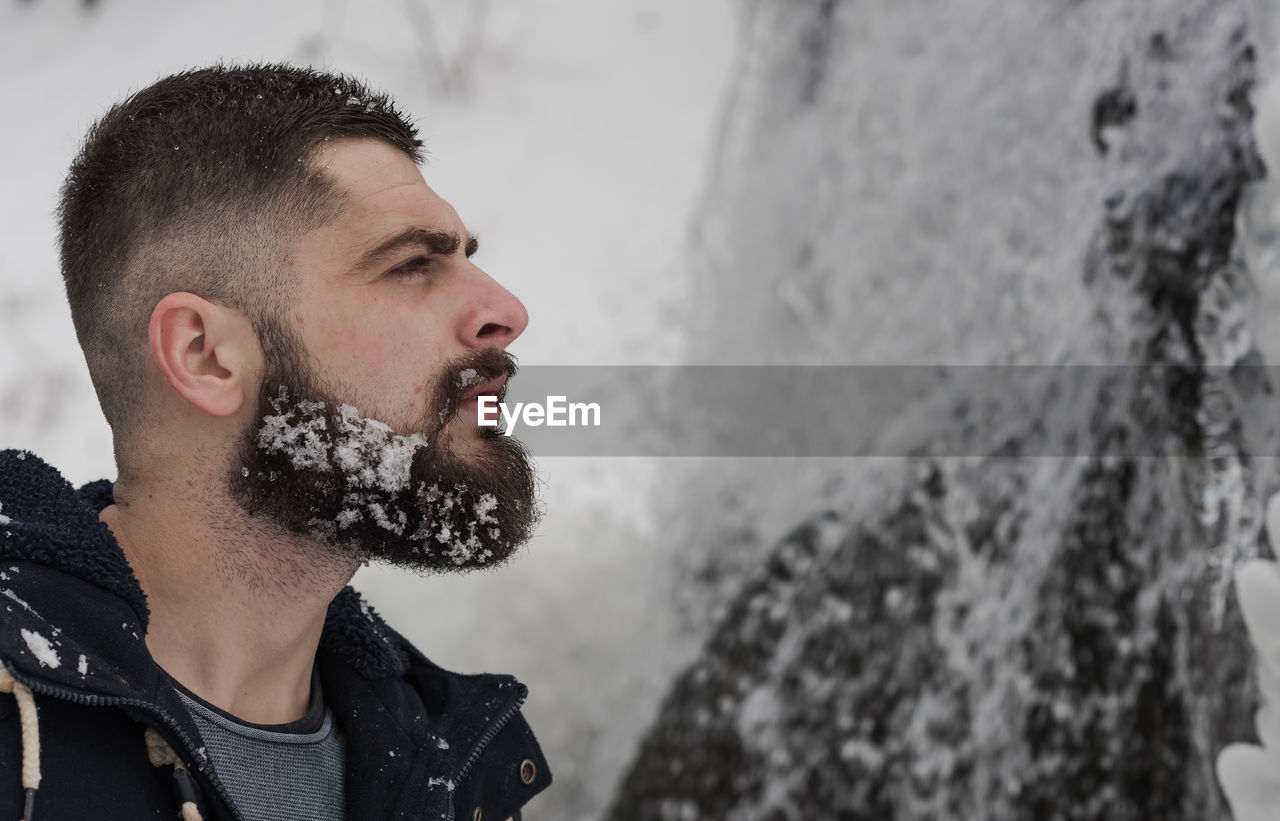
41	648
485	508
368	451
299	430
1250	774
9	594
82	665
4	520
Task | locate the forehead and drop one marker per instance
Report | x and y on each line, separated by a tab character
383	193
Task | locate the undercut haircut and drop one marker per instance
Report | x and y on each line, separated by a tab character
201	183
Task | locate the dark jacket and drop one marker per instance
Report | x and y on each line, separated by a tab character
420	742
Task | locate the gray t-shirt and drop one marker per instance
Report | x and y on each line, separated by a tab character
281	772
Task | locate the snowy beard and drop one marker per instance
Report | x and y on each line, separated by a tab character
318	468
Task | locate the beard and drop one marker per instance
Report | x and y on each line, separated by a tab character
314	466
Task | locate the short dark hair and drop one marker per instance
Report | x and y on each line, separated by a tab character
199	183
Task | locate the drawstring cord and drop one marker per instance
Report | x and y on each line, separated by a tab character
160	754
30	738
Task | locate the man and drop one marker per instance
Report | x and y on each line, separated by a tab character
287	337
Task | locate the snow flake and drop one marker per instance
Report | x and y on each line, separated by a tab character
41	649
300	432
485	507
9	594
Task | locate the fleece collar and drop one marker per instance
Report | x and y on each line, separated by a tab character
46	521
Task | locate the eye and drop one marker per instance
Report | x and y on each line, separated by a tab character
416	267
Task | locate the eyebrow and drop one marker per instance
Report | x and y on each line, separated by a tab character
435	242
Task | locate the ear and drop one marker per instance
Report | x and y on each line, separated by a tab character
205	350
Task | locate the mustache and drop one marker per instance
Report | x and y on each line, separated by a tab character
461	375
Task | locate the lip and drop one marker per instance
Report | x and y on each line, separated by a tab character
490	388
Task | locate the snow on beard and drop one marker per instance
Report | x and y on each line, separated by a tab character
318	468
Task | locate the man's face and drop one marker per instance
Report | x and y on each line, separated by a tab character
365	435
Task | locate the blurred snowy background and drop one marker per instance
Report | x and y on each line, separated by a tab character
572	137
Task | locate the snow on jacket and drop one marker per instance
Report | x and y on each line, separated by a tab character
421	742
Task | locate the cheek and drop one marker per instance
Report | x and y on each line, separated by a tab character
378	362
392	370
351	353
387	359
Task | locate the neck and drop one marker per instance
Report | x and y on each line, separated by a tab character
237	605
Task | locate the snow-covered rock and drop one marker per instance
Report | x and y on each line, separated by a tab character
968	631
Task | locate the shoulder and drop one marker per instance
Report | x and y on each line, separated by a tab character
48	522
466	733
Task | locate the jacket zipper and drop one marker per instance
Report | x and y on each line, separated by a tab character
75	697
493	729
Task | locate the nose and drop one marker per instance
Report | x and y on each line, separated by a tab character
497	317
